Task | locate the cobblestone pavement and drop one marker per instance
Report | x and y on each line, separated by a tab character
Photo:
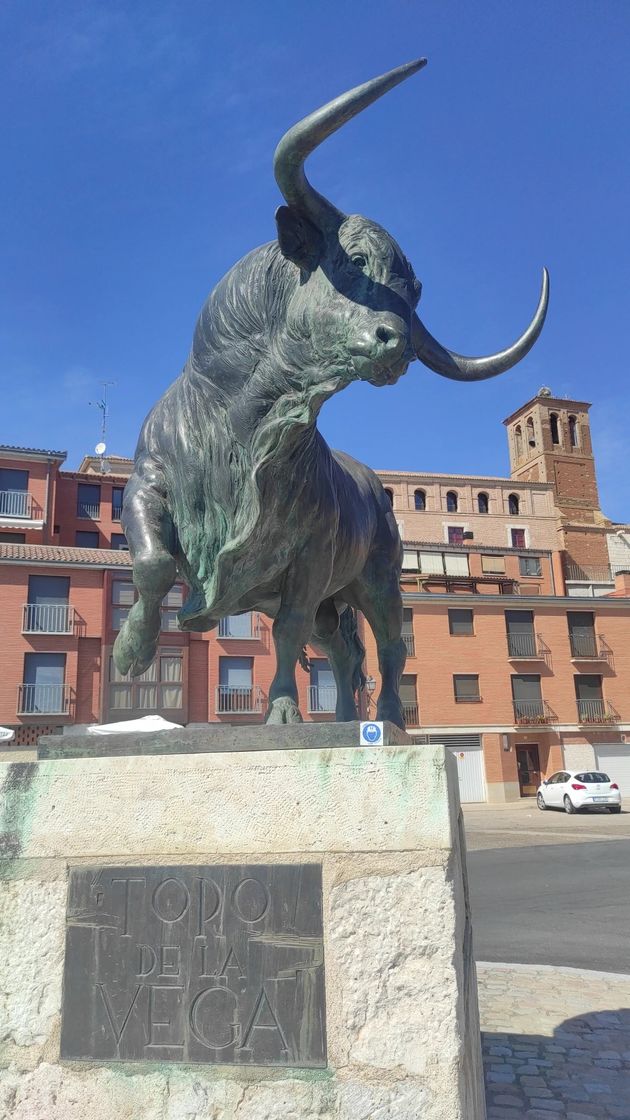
556	1042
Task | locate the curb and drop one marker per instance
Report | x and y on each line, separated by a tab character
564	970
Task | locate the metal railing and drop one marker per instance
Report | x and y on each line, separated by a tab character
43	699
411	714
597	710
89	510
16	503
322	698
239	701
410	642
47	618
228	628
116	512
591	647
524	645
575	573
533	712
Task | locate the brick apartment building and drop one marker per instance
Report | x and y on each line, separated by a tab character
517	613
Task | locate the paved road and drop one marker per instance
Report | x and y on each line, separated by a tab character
553	903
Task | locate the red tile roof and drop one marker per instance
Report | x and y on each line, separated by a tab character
61	554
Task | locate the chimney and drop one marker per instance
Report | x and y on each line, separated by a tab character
622	584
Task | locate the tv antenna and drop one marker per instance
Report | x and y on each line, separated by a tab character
101	446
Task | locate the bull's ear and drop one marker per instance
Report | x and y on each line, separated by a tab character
298	238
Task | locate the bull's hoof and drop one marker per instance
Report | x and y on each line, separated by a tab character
133	650
391	709
283	710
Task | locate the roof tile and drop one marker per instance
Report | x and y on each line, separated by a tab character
61	554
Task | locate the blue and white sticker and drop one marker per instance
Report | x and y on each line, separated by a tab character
371	734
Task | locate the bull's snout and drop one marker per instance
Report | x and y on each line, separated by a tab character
384	342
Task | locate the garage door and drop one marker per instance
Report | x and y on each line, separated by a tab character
615	761
470	766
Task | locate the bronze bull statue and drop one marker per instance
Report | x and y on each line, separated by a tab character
233	487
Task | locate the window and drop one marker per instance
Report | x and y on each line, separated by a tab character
88	500
440	563
529	565
44	690
518	442
159	688
466	688
590	701
390	494
555	429
236	626
531	439
171	604
527	698
455	534
513	504
492	564
86	538
456	564
451	502
460	621
520	633
517	537
123	597
322	693
410	561
117	501
407	631
582	633
419	500
483	504
47	609
236	691
409	699
12	538
14	496
573	431
119	542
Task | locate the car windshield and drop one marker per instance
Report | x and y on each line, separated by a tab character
592	777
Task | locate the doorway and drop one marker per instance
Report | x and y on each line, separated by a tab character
528	764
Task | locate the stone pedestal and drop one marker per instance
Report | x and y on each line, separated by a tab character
381	827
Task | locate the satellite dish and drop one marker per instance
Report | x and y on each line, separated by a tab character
106	466
100	448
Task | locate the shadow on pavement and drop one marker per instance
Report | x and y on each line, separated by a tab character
581	1071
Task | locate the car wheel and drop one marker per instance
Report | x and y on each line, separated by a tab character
540	801
569	807
614	808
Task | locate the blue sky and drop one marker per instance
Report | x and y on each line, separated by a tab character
137	145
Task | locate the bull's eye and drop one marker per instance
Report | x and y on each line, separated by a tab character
359	260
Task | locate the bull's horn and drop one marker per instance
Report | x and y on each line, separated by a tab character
306	135
459	368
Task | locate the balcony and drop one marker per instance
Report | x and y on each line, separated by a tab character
533	713
91	511
18	507
116	511
527	647
410	642
597	711
44	699
590	647
411	714
322	698
47	618
243	627
239	701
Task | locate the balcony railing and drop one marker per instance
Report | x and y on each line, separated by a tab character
590	647
322	698
239	701
533	713
575	573
16	503
596	711
525	646
43	699
411	714
116	511
89	510
47	618
241	626
410	642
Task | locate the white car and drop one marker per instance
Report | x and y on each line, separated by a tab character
579	789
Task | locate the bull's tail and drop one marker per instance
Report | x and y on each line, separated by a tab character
350	633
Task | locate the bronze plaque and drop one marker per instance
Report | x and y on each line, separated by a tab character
195	964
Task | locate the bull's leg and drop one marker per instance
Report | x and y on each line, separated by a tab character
377	594
292	628
151	537
327	634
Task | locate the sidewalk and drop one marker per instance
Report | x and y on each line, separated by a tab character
556	1042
